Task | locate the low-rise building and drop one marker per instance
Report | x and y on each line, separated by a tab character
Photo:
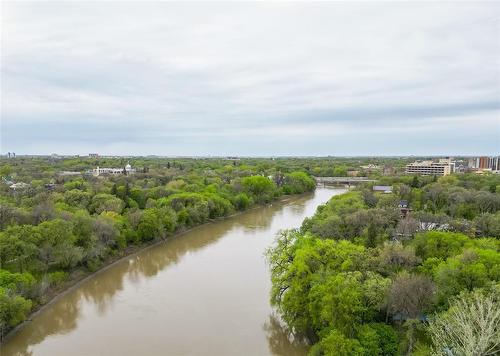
113	171
371	166
19	186
69	173
382	188
430	168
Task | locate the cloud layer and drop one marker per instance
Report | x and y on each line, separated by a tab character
251	79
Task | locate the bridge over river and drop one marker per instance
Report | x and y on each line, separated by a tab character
342	180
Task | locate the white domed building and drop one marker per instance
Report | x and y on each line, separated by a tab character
113	171
129	169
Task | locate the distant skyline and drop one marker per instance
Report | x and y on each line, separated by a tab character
250	79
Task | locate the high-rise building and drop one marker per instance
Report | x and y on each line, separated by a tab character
484	162
494	163
473	163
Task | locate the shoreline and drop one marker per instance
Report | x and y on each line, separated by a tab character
73	283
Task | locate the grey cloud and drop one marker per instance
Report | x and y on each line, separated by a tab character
231	77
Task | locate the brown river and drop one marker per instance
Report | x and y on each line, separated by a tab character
205	292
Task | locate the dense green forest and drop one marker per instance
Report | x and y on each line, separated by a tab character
367	276
59	227
358	278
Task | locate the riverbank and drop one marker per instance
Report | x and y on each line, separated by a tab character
79	276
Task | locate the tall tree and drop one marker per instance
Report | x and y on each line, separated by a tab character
470	327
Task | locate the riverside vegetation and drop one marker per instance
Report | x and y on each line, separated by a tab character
60	228
337	280
358	278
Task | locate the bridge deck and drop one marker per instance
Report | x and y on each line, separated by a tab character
349	180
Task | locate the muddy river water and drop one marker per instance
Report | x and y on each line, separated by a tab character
205	292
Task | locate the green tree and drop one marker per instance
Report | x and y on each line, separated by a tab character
13	309
106	202
77	198
337	344
378	339
18	250
297	183
261	189
5	170
242	201
19	283
151	226
56	244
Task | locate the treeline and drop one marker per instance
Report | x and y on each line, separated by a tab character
364	276
60	226
44	167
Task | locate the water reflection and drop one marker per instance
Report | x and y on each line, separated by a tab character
280	339
61	320
116	287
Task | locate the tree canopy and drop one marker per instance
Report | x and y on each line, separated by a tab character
362	278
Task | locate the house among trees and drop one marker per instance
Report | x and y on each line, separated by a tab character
404	208
19	186
50	186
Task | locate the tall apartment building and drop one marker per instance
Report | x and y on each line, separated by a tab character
494	163
484	162
430	168
473	163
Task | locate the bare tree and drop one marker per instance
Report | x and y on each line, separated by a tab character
43	212
403	191
470	327
410	295
105	231
406	229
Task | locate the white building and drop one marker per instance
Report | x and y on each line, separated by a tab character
382	188
113	171
19	186
371	167
69	173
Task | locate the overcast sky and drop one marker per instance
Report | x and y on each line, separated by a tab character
250	78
